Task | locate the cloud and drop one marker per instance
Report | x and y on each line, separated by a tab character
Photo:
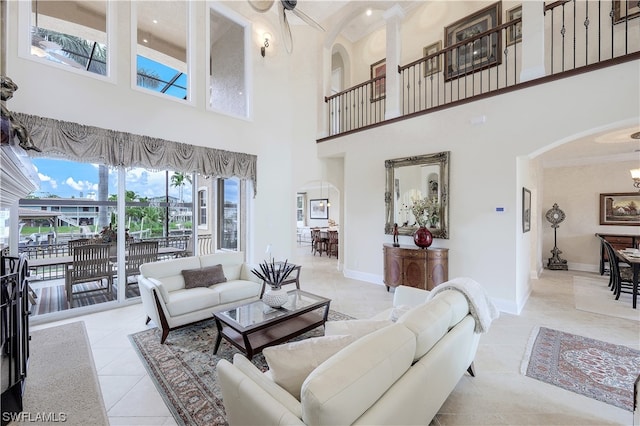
52	182
81	185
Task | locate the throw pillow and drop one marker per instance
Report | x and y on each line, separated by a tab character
203	277
291	363
354	328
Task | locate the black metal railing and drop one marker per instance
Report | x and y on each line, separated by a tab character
578	34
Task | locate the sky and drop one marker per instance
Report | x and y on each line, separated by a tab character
69	179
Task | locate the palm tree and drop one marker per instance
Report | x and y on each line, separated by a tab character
179	180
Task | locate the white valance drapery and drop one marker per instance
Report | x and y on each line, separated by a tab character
78	142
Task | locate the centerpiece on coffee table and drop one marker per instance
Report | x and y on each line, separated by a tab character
274	274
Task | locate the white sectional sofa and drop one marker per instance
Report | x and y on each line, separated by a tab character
170	304
399	374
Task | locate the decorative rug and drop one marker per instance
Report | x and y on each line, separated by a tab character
593	295
61	379
184	368
589	367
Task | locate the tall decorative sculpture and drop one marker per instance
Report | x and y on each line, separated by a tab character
555	216
9	123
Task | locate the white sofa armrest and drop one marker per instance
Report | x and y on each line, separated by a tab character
246	274
239	391
405	295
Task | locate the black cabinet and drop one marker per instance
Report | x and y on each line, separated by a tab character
14	333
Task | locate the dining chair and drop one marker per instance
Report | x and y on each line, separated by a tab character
71	244
315	237
90	264
332	243
621	276
321	242
138	253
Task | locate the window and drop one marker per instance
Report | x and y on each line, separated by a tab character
161	46
228	71
202	208
71	33
300	203
228	213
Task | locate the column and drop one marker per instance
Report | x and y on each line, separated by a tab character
532	40
393	17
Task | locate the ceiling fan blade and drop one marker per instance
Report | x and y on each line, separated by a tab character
261	5
286	30
306	18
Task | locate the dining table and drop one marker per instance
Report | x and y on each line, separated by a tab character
632	258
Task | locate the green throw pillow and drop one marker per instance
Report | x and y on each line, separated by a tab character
203	277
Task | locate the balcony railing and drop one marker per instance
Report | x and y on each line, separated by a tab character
578	35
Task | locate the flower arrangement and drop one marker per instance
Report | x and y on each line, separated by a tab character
274	273
426	211
110	235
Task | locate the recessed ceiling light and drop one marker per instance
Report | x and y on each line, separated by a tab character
155	21
369	12
144	40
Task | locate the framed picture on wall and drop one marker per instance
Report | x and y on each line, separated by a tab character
480	52
318	208
514	32
620	208
625	9
432	65
378	71
526	210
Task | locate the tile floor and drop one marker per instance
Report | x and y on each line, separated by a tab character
498	395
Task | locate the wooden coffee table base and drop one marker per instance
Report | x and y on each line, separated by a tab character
251	340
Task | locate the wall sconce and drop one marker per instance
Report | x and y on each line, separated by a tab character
635	175
263	48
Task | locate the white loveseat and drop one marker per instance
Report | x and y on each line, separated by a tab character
400	374
170	304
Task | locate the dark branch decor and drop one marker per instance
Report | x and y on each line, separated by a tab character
274	273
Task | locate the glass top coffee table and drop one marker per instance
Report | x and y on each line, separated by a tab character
255	326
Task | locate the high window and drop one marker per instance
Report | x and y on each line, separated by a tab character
71	33
228	40
161	47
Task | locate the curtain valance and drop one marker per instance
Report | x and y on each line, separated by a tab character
77	142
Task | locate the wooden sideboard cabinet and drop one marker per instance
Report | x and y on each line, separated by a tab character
415	267
618	242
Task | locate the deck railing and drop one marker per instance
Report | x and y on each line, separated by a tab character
578	34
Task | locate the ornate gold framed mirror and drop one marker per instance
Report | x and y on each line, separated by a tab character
412	178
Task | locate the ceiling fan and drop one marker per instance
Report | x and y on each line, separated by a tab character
285	6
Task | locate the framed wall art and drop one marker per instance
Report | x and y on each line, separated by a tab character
620	208
478	53
378	69
318	208
432	65
514	32
526	210
625	9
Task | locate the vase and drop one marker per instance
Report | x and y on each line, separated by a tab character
275	297
422	237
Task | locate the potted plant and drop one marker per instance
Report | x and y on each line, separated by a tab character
274	274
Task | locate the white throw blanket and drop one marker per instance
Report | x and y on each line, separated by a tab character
480	306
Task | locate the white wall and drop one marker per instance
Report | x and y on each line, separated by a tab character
484	245
576	190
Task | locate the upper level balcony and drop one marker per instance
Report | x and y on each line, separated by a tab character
482	57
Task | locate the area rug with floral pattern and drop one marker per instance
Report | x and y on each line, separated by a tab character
589	367
184	368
